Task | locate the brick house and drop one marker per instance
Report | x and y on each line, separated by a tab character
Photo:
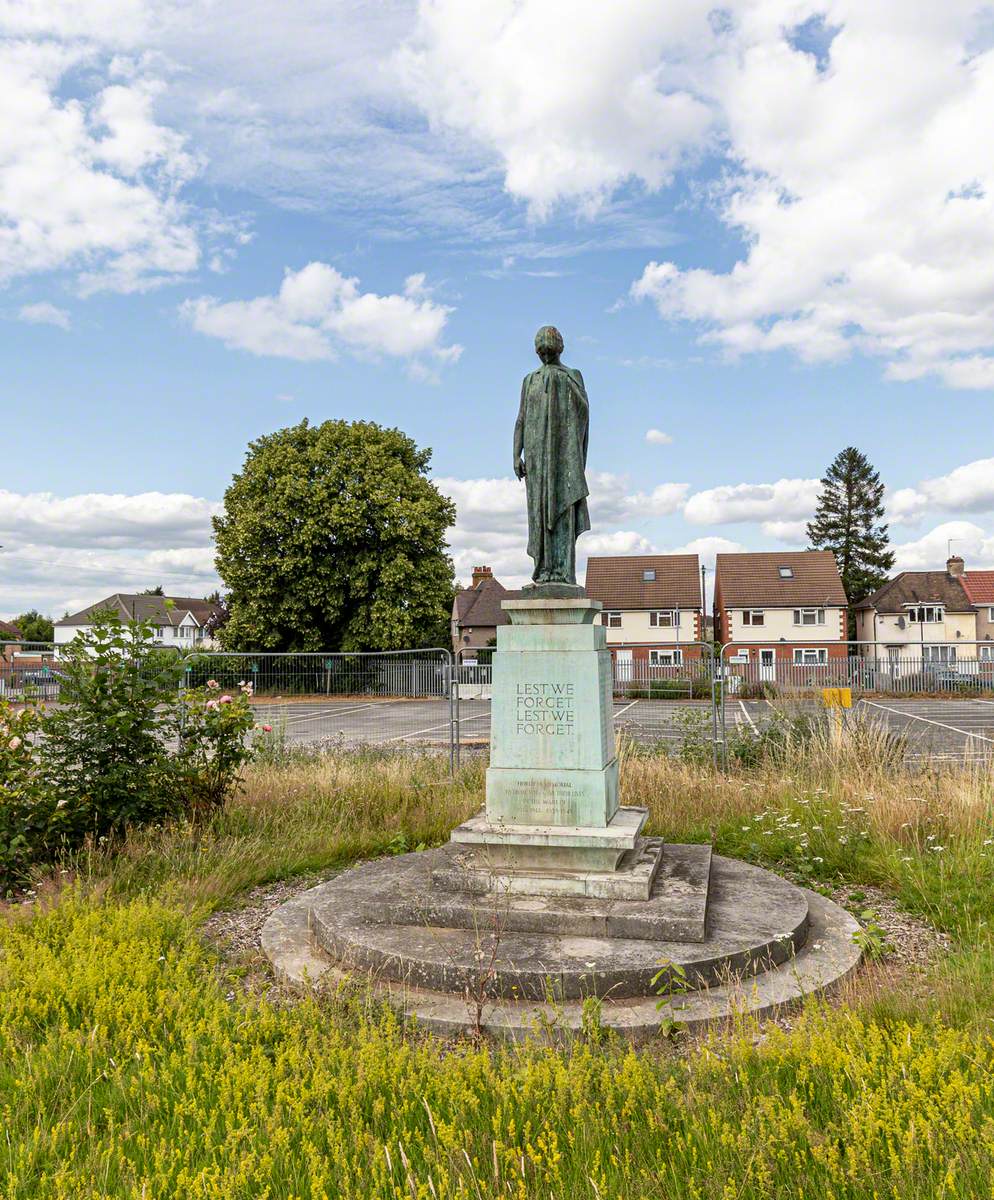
780	608
652	613
477	612
926	618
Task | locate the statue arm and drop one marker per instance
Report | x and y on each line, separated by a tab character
585	405
519	436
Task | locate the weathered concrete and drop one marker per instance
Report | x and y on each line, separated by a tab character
632	879
676	911
545	850
826	957
755	920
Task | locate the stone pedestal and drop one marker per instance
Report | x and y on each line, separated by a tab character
552	825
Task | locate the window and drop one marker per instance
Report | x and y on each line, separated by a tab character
665	658
786	572
939	654
662	618
649	576
809	616
753	616
986	653
811	656
929	613
611	619
990	614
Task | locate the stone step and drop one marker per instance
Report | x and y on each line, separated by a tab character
756	920
465	896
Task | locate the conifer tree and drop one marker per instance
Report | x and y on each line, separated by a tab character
849	522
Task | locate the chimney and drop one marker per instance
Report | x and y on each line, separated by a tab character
481	573
955	566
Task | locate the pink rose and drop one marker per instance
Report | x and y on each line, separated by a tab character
213	683
267	729
211	704
225	699
14	743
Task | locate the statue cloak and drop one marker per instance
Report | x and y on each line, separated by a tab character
552	428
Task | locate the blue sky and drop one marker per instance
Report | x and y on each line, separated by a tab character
765	230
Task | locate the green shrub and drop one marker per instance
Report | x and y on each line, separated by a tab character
104	749
32	818
211	727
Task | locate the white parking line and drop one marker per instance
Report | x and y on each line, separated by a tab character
745	713
278	711
432	729
968	733
625	709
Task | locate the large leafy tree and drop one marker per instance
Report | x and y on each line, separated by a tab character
333	538
34	627
849	522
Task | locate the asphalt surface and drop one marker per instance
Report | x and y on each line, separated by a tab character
941	729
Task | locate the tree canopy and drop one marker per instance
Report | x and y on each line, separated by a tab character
34	627
333	538
849	522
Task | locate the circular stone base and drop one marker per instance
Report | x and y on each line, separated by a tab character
768	943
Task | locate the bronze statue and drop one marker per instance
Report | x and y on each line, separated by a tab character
550	454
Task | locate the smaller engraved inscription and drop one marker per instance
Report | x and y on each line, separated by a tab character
545	709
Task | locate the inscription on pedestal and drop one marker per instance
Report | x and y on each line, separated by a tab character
545	709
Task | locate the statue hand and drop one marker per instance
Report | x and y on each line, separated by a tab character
519	468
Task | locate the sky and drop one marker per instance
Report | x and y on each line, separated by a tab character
765	229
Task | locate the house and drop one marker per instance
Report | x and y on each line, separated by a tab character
477	612
979	588
652	608
177	620
920	618
776	608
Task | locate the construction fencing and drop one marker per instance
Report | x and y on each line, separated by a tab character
938	698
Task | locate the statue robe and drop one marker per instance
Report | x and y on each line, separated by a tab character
551	431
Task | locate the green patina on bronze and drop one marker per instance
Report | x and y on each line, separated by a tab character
550	454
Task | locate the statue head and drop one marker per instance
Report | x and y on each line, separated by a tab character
549	344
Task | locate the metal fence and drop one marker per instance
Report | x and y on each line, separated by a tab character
938	698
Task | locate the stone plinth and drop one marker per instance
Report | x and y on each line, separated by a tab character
552	825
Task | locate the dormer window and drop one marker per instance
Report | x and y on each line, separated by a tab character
649	576
786	572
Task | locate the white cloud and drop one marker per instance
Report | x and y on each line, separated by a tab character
969	488
62	553
317	310
656	437
861	186
929	552
90	181
575	98
707	548
44	313
777	504
105	520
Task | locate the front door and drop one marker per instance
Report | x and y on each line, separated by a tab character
623	666
768	665
894	661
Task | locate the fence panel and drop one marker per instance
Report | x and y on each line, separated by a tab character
28	672
929	700
390	699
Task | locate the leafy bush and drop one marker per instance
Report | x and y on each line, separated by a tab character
105	748
31	817
125	748
211	727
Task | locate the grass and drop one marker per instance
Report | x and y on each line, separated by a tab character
132	1065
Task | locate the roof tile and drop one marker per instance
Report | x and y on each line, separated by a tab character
755	579
618	583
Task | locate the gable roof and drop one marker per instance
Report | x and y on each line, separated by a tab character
146	608
919	587
9	632
743	580
979	586
480	605
617	581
